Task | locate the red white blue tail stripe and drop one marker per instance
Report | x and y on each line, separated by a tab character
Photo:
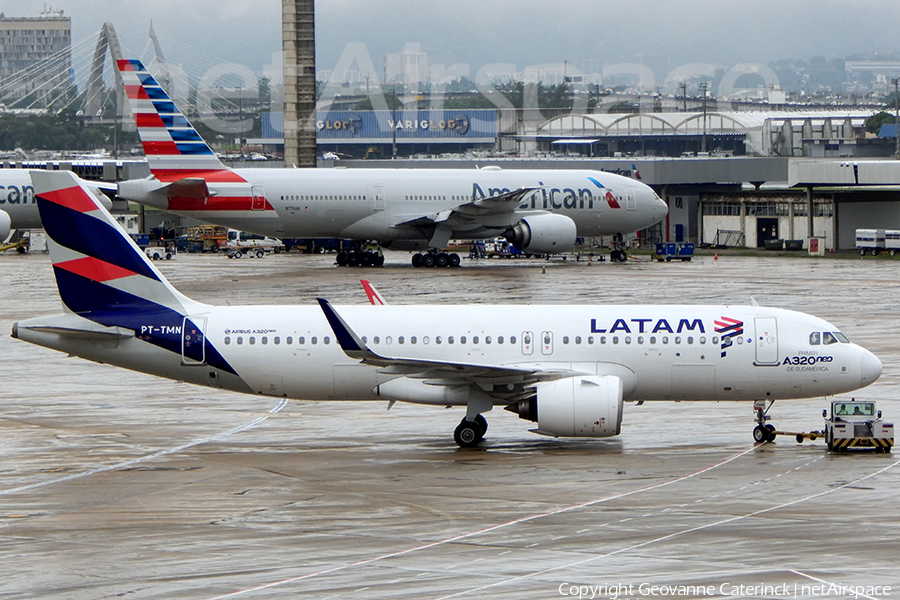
173	147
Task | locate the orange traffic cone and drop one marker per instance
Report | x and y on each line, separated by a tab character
543	270
716	256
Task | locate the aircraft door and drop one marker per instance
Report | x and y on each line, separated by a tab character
547	342
527	343
766	341
630	201
193	341
377	192
257	198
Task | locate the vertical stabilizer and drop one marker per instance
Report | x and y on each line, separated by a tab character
173	147
101	273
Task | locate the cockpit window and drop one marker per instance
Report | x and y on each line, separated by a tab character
841	337
828	338
815	338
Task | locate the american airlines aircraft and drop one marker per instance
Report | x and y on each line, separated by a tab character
567	368
539	211
18	206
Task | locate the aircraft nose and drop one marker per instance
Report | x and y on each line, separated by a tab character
869	368
660	208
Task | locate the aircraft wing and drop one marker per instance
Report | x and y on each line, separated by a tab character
468	213
439	372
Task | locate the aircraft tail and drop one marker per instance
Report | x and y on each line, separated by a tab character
101	273
173	147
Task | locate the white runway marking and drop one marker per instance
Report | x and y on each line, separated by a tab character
463	536
141	459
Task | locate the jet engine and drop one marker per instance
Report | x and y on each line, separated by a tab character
543	234
5	225
582	406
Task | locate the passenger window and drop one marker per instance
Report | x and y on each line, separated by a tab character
289	340
566	339
227	340
437	340
652	340
615	339
590	339
740	341
462	339
401	339
300	340
425	340
314	340
326	340
828	339
690	339
450	339
487	339
388	340
627	339
677	339
702	340
603	339
665	339
412	340
265	341
815	338
640	339
376	340
365	340
499	339
512	339
240	340
252	341
475	340
577	339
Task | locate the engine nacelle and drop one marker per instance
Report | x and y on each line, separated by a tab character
5	225
582	406
543	234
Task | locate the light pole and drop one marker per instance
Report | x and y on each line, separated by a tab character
703	87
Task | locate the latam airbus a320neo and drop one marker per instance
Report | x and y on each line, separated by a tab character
568	368
539	211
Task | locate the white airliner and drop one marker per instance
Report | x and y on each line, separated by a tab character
18	206
539	211
568	368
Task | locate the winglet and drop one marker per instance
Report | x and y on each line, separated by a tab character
374	296
349	341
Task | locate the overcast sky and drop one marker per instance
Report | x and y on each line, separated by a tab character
662	34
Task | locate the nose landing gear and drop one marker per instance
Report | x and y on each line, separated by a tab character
763	432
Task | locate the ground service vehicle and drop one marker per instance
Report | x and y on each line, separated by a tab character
855	425
869	241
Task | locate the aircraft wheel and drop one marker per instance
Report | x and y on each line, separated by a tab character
366	259
760	434
378	261
260	253
771	431
468	434
482	423
342	258
453	259
428	260
441	260
417	260
353	259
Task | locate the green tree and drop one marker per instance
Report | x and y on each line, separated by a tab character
874	123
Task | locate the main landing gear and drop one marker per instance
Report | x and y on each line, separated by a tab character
469	434
435	259
763	432
363	255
